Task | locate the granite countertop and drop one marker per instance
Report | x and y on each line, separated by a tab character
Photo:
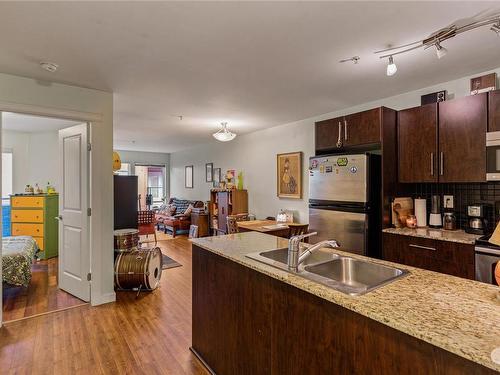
436	234
458	315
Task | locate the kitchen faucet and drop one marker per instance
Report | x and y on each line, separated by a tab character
294	245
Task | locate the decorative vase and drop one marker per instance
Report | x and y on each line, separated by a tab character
240	181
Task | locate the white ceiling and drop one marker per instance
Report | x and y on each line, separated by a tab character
253	64
33	124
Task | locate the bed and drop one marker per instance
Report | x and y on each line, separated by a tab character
17	256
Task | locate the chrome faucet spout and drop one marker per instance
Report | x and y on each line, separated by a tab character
293	250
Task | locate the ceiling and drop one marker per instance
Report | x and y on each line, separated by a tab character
33	124
252	64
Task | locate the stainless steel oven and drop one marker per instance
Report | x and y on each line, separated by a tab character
486	261
493	156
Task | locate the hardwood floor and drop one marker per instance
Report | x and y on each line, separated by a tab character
147	335
41	296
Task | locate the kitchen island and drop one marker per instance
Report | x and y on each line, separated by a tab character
249	317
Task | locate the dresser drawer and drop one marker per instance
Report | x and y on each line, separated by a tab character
39	241
27	202
35	230
27	216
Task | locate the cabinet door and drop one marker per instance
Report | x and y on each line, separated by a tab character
362	128
494	111
417	142
223	206
327	133
462	139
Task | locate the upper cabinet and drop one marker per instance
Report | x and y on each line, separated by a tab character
494	111
417	142
362	128
357	129
444	142
462	139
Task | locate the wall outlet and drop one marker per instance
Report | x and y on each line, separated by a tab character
448	201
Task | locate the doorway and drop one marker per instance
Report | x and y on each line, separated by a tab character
151	181
45	194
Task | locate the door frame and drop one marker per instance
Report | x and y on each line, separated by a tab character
93	119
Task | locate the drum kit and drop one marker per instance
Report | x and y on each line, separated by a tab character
135	268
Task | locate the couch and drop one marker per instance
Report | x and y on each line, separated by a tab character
178	221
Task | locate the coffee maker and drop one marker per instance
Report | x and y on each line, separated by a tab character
476	218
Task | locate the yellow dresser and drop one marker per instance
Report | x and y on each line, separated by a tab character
35	215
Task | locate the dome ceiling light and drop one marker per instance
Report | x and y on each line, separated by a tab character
224	135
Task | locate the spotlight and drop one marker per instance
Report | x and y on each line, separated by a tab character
440	51
391	67
496	28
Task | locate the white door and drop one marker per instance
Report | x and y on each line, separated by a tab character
74	241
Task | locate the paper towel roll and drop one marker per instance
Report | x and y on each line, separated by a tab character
421	212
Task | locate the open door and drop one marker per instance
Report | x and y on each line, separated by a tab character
74	239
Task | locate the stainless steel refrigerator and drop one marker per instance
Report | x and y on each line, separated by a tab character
344	201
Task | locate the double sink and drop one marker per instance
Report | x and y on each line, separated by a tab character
346	274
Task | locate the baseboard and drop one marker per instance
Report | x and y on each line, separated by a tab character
103	298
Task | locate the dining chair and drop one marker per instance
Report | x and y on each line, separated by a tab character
232	224
146	224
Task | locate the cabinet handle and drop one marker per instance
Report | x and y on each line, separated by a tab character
345	130
423	247
339	140
432	164
441	163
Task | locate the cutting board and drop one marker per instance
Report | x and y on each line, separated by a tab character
401	209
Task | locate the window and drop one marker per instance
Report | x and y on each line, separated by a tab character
6	174
151	180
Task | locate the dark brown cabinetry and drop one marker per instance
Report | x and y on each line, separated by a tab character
444	142
462	139
245	322
200	219
452	258
417	142
362	128
494	111
356	129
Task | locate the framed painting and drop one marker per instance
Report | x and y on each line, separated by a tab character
217	175
289	175
209	172
188	177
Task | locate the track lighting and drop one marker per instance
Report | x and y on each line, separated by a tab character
391	67
440	51
496	28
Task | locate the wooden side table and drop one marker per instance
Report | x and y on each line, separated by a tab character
201	220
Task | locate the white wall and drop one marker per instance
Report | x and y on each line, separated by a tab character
255	153
35	158
51	98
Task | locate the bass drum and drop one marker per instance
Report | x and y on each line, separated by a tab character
138	269
126	239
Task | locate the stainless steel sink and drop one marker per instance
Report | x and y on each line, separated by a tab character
345	274
354	276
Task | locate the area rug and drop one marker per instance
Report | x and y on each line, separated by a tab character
169	263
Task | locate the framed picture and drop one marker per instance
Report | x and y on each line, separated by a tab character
217	175
289	175
209	172
188	177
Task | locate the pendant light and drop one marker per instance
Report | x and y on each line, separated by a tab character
224	135
391	67
440	51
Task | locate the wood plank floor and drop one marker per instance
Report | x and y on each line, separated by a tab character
41	296
148	335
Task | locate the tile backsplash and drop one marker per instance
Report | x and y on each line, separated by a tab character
463	195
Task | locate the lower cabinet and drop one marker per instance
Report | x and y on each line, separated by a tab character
452	258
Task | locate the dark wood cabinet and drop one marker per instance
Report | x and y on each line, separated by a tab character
417	143
350	131
245	322
200	219
494	111
462	139
125	202
362	128
327	133
452	258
